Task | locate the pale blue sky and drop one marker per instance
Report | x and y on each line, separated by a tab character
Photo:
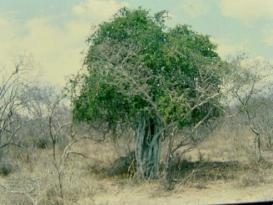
53	31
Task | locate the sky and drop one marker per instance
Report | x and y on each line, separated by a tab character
53	33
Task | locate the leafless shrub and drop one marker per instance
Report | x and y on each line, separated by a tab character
11	88
248	85
58	128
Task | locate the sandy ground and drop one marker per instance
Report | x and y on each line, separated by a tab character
82	187
110	192
213	194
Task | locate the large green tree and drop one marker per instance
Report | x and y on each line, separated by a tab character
148	77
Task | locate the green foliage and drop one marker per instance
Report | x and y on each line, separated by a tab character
136	64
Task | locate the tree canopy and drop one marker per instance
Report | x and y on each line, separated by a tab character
147	76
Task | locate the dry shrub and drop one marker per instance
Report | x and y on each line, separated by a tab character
42	143
51	197
198	173
6	168
124	165
232	140
251	178
15	199
81	188
255	173
96	168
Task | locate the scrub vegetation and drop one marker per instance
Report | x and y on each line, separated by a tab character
154	116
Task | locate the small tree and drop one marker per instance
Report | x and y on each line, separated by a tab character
145	76
12	87
250	80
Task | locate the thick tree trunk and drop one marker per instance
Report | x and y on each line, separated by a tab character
147	149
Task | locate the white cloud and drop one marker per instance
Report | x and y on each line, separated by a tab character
227	48
194	9
97	10
261	67
268	40
56	48
247	10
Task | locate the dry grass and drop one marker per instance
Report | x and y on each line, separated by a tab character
221	169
